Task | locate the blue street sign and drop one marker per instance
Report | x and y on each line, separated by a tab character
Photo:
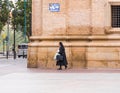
54	7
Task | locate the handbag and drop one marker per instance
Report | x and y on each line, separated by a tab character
59	57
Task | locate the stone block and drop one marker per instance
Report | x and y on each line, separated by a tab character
113	64
78	54
78	64
42	57
78	30
78	57
102	56
103	49
98	15
51	63
118	65
98	31
97	64
77	5
81	18
32	57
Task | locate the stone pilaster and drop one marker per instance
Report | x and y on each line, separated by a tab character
32	56
36	17
79	13
98	17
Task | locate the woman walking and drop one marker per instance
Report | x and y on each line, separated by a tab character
63	54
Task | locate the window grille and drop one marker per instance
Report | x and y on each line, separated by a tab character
115	10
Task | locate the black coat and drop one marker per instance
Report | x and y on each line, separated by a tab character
62	52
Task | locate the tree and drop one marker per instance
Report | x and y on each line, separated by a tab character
19	14
5	8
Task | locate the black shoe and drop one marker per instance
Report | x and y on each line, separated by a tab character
65	67
59	69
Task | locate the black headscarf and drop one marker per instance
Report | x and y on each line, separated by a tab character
61	48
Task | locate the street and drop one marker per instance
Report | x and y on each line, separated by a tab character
15	77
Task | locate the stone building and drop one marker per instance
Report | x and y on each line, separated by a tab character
89	30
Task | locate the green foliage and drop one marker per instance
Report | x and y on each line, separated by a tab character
5	8
19	15
3	14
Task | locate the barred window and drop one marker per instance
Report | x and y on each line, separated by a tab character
115	10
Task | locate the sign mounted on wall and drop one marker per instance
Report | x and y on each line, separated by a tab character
54	7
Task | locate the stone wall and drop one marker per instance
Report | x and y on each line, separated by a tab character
84	27
103	57
42	55
76	17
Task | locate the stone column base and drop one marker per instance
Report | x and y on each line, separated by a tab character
82	52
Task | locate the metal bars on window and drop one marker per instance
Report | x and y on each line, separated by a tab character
115	16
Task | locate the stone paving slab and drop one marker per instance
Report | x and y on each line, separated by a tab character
60	83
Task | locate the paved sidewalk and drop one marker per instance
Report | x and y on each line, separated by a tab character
60	83
16	78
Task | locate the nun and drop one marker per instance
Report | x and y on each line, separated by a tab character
62	62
